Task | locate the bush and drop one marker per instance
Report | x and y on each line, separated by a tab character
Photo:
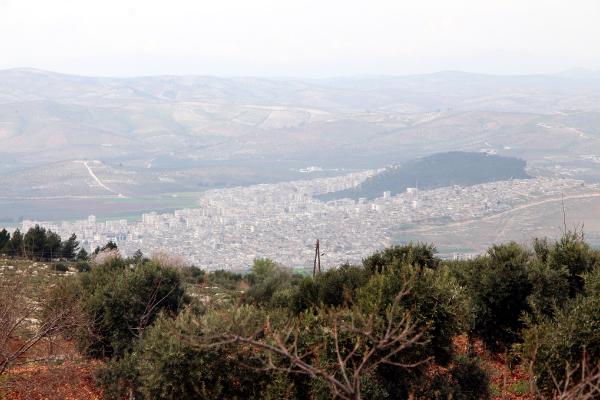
498	285
122	302
550	288
267	280
334	287
471	378
435	301
119	377
224	279
63	299
167	363
60	267
555	345
193	275
83	266
465	380
420	255
576	256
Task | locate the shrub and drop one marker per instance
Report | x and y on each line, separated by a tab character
83	266
435	301
550	288
466	379
193	275
267	279
575	255
498	285
60	267
224	279
334	287
556	345
64	298
472	381
122	302
420	255
118	377
170	364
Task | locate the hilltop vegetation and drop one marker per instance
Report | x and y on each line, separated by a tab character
438	170
391	327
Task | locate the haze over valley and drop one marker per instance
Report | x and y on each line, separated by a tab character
149	136
117	148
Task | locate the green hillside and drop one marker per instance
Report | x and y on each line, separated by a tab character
438	170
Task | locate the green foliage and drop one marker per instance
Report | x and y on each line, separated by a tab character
137	257
270	284
119	377
4	239
168	364
15	246
437	170
193	275
83	266
592	282
550	288
82	255
471	378
110	245
52	246
69	247
558	344
519	388
466	379
420	254
574	254
224	279
34	242
498	285
262	268
63	298
38	244
334	287
60	267
435	301
541	248
123	302
172	368
545	300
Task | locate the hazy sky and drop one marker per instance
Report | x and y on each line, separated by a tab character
299	38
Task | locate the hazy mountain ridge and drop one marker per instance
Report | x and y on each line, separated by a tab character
209	129
52	117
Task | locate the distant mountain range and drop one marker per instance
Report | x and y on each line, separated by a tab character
169	134
49	117
438	170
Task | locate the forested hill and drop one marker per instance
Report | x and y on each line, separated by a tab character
438	170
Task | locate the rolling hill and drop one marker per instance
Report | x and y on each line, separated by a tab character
164	134
438	170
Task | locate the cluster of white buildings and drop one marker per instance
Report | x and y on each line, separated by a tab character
231	227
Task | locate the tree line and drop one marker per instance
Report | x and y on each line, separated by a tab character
39	243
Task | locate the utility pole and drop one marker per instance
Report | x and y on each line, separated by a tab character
317	264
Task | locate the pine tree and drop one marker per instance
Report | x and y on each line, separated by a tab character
82	255
4	240
69	247
34	242
52	246
15	246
